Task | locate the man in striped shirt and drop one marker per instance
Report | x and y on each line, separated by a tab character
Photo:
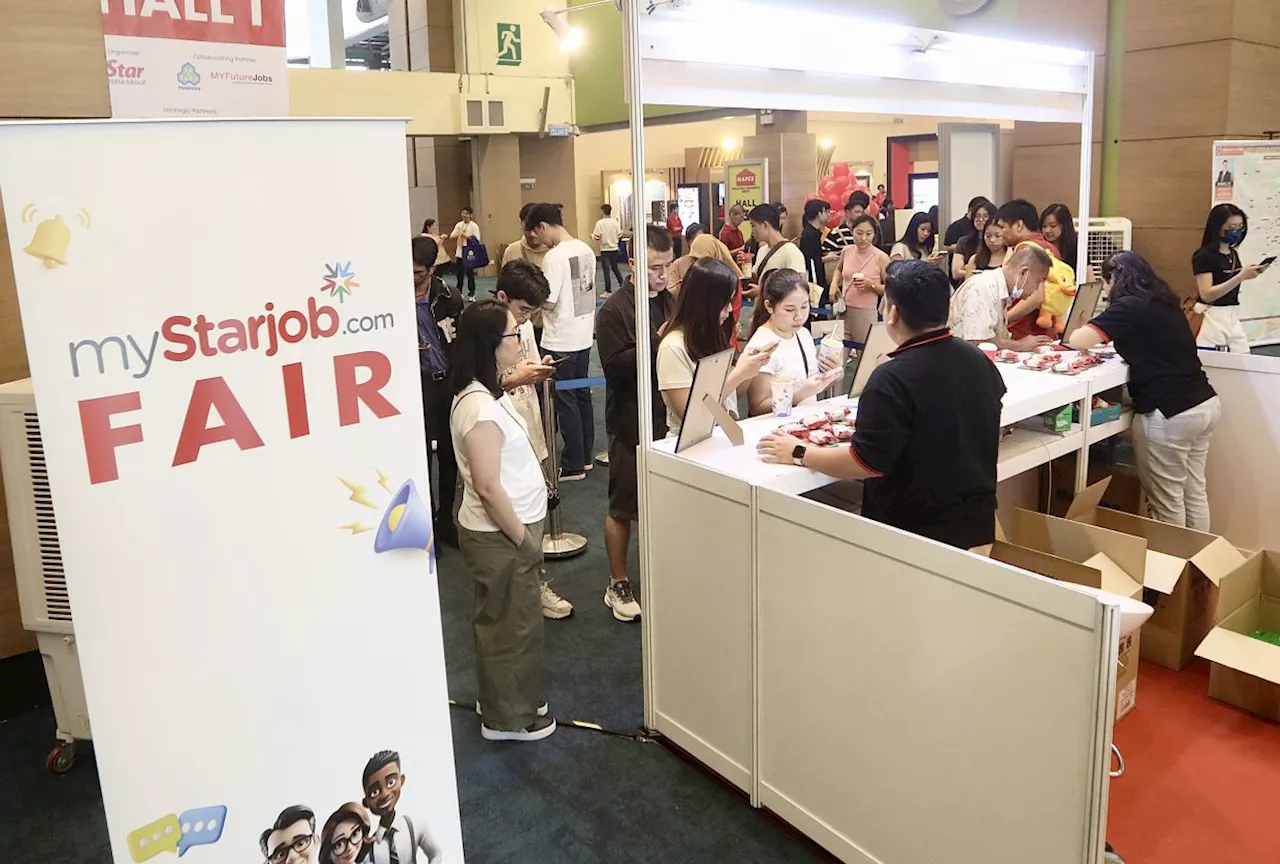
842	235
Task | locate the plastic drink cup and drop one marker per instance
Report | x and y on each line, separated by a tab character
784	389
989	349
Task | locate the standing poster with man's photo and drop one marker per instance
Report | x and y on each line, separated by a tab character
1247	174
229	400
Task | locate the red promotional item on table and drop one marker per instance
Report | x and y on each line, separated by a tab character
842	431
815	421
822	437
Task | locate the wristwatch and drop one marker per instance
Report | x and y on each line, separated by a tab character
797	454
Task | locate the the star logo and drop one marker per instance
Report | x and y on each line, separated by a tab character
339	280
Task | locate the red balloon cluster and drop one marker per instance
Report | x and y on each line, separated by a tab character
836	188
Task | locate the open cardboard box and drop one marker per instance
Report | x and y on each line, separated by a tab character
1083	555
1244	671
1181	575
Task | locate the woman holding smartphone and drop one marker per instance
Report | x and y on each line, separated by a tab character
1219	276
779	322
916	242
860	276
696	330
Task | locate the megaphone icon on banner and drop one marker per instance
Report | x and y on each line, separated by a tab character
407	522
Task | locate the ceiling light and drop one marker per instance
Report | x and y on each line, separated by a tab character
571	38
729	144
826	144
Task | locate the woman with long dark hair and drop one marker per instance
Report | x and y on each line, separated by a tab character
696	330
347	837
991	252
1059	228
980	215
1176	407
504	503
1219	275
916	241
779	321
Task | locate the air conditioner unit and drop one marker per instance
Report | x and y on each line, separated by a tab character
1107	236
481	113
37	559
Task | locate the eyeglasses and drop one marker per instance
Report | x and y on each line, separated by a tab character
515	335
299	844
354	840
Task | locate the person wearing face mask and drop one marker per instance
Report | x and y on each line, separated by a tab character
616	341
779	320
1219	275
978	308
860	276
928	426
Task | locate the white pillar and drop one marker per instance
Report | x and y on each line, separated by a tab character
324	25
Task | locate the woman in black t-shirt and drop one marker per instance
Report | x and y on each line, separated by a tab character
1175	407
1219	276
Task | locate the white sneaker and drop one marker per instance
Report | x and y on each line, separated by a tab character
542	709
543	727
623	603
554	606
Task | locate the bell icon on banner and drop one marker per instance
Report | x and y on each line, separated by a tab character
50	242
406	524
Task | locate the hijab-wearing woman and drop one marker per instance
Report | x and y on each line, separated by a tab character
860	275
504	503
981	215
779	321
696	330
1176	407
1059	228
347	837
917	240
1219	275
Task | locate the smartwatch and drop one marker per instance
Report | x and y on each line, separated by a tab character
797	454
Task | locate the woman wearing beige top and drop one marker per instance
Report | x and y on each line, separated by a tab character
860	276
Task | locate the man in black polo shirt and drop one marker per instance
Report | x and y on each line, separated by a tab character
928	427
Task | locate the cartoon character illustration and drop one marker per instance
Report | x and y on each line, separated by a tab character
292	839
347	837
397	838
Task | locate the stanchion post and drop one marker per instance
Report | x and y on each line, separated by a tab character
556	543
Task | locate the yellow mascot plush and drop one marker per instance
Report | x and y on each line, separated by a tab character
1059	290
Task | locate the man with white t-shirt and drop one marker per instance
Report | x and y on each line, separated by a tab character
568	331
607	233
466	231
776	251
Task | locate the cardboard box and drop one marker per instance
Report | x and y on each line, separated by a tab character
1183	568
1058	420
1098	416
1124	492
1083	555
1245	671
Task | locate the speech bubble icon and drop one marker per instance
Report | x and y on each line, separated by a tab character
149	841
201	827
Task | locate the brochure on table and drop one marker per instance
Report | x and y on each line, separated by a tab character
230	407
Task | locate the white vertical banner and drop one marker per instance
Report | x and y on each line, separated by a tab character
196	58
221	329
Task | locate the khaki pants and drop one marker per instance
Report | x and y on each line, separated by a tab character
858	323
507	624
1172	452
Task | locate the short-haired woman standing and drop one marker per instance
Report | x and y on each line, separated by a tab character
1176	407
1219	276
504	503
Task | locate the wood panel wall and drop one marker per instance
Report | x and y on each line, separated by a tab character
52	64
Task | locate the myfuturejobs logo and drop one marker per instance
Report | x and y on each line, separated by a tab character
183	337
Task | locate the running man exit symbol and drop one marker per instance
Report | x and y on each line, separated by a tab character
509	53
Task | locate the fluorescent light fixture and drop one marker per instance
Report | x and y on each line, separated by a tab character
826	143
729	144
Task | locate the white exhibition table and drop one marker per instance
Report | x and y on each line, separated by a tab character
864	683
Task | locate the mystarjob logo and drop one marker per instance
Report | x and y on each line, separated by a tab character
188	77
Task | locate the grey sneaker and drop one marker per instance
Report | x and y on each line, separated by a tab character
623	603
554	606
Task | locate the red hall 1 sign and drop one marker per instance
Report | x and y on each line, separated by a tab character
196	58
239	22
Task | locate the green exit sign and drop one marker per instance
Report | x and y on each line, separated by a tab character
510	52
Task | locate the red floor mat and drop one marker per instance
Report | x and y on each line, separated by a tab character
1203	781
